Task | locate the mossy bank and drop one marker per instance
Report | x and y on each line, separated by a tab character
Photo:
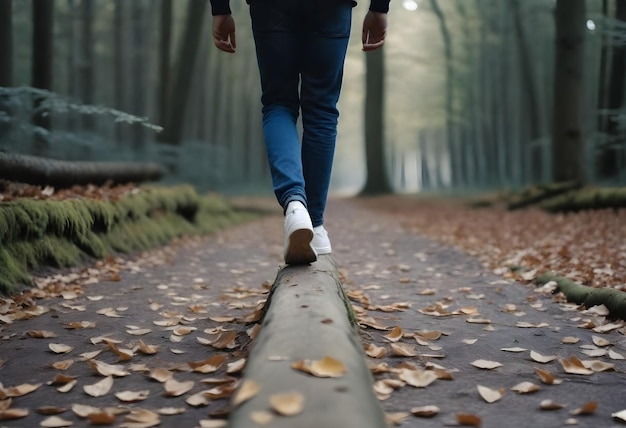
61	233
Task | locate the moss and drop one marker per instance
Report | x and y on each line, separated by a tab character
37	233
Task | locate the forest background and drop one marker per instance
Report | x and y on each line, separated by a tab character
467	95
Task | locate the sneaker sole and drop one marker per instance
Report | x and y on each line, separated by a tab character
299	250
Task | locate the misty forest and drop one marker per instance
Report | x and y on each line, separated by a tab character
466	95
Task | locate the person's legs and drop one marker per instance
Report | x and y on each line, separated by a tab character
322	56
277	45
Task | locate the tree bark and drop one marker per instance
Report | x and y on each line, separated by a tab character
119	63
567	134
6	43
43	30
62	174
377	180
185	66
139	60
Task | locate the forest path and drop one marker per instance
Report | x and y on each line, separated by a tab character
451	313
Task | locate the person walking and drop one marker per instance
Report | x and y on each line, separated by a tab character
301	47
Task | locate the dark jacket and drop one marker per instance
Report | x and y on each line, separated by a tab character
222	7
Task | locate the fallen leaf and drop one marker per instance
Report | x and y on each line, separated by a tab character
170	411
49	410
108	369
598	366
403	350
544	359
161	375
478	321
418	378
213	423
600	341
546	377
83	410
573	365
621	415
571	421
486	364
287	404
19	390
55	422
173	388
11	414
425	411
517	349
395	334
63	365
608	327
41	334
59	348
570	340
132	396
146	418
246	391
468	420
139	332
198	399
374	351
586	409
326	367
67	387
615	355
490	395
550	405
470	341
236	366
525	388
147	349
396	418
101	418
100	388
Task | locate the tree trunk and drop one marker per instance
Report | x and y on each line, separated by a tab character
139	60
120	49
87	61
447	47
377	181
61	174
185	66
6	43
568	147
43	30
612	157
165	43
71	61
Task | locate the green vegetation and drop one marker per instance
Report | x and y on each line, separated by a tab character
62	233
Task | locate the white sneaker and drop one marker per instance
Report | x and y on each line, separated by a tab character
298	235
321	243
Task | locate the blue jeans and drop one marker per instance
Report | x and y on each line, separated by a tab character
301	47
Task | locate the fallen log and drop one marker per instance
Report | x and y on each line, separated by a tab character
62	174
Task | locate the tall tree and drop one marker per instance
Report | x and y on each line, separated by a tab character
43	30
6	43
120	50
377	179
568	160
87	66
165	42
139	68
611	158
185	66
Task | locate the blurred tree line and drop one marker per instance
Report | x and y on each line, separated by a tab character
466	94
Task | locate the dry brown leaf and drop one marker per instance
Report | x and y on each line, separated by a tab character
139	331
222	391
550	405
524	324
326	367
467	419
573	365
486	364
108	369
608	327
100	388
570	421
403	350
210	365
132	396
374	351
395	334
222	319
470	341
67	387
86	356
261	417
544	359
161	375
425	411
615	355
516	349
170	411
49	410
79	325
213	423
287	404
147	349
546	377
59	348
173	388
41	334
146	418
19	390
586	409
598	366
478	321
83	410
226	340
570	340
600	341
253	331
11	414
246	391
418	378
525	388
198	399
63	365
183	331
5	403
61	380
490	395
101	418
55	422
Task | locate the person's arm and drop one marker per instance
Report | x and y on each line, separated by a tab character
375	25
223	26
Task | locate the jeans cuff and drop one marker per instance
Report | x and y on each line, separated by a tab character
293	198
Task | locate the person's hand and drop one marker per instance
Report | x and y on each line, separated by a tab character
374	30
224	33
